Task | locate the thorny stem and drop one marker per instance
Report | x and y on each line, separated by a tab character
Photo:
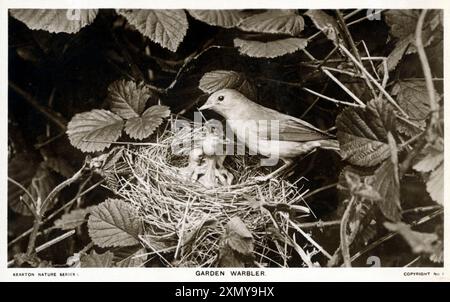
343	232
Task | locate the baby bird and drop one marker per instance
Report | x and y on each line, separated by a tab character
252	125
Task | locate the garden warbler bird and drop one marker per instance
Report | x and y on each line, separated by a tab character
252	124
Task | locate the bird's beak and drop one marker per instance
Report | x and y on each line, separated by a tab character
205	106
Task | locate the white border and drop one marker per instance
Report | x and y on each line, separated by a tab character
188	274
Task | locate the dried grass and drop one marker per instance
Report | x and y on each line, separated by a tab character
184	220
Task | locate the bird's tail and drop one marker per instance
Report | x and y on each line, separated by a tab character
329	144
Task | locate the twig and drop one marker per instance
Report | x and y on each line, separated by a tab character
365	17
319	224
330	98
53	116
363	69
30	207
343	233
434	106
54	241
351	94
390	235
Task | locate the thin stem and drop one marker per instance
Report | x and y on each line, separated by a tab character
343	233
53	116
330	98
434	106
351	94
29	207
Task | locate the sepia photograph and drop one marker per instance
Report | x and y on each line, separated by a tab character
225	138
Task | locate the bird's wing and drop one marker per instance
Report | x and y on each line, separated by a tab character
291	128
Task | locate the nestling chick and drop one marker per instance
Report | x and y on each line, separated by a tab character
251	122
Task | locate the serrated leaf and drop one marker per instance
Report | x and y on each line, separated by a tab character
238	237
133	261
362	133
55	20
127	98
434	156
113	223
387	182
435	185
397	54
274	22
165	27
419	242
412	96
97	260
325	23
143	126
218	17
271	49
73	219
218	79
94	130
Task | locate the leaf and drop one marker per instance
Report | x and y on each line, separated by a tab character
113	223
143	126
362	133
412	96
401	21
271	49
73	219
127	98
435	185
433	162
274	22
94	130
97	260
386	181
325	23
165	27
219	79
397	53
218	17
238	237
132	261
55	20
419	242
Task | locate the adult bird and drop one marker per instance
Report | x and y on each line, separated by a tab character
251	123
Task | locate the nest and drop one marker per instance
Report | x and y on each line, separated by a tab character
185	221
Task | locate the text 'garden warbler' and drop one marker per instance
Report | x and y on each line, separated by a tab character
253	125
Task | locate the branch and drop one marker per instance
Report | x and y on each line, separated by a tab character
53	116
434	106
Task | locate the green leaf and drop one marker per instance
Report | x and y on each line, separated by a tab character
412	96
325	23
127	98
219	79
113	223
271	49
362	133
218	17
55	20
97	260
143	126
419	242
238	237
94	130
386	181
73	219
165	27
274	22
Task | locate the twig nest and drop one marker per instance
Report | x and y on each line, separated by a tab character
186	194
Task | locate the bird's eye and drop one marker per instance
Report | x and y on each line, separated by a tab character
220	98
